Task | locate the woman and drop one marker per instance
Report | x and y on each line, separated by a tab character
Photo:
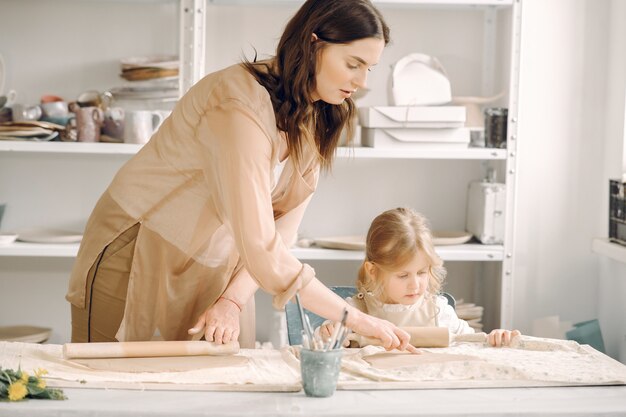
194	223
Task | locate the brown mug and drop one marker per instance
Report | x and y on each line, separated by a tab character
87	121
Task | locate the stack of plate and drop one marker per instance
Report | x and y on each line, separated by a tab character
36	130
153	79
143	68
440	238
471	313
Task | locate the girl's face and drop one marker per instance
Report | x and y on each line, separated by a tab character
406	283
343	68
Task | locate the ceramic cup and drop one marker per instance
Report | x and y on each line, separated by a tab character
114	122
93	98
8	99
55	111
2	207
23	112
88	121
320	371
139	125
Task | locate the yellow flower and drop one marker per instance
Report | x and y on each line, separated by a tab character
24	377
17	391
40	372
41	384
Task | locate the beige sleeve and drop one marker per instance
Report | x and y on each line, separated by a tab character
239	164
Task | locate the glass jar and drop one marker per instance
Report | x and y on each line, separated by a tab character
495	127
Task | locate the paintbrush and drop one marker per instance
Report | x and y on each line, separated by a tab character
305	323
338	329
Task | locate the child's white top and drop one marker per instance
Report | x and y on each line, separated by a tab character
426	312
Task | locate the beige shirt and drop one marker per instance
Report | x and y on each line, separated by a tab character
204	192
425	312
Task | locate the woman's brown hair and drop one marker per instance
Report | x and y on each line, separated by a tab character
393	238
290	78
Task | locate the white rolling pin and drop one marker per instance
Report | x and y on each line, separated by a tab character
426	337
147	349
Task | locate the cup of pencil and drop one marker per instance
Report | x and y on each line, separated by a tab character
320	371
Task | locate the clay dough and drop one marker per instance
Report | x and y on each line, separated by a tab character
391	360
162	364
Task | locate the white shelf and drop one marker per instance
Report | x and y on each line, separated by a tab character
69	147
430	3
343	152
604	246
56	250
469	153
469	252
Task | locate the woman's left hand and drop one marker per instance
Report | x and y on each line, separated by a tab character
220	322
501	337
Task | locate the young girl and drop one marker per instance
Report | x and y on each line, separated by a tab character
401	278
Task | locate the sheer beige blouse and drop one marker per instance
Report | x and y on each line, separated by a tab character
204	193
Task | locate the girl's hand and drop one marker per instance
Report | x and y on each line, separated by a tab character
501	337
220	322
326	330
391	336
326	333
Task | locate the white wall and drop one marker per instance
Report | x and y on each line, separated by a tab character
560	159
612	285
571	135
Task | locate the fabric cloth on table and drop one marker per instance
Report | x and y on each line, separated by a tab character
528	362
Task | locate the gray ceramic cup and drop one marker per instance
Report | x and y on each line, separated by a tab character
2	206
320	371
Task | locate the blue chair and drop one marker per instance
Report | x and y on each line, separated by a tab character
294	323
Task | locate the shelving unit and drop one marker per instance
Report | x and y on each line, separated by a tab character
81	170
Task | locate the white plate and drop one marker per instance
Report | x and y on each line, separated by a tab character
28	334
342	242
155	61
49	236
7	239
450	237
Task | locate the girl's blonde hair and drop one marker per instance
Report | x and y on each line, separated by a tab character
393	238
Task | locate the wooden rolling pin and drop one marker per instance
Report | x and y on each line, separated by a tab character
426	337
147	349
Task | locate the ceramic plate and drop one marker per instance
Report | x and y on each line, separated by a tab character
28	334
49	236
153	61
450	237
7	239
342	242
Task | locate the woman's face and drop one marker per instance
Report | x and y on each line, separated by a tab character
343	68
405	284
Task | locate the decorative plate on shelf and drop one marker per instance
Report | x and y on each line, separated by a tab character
49	236
450	237
27	334
341	242
7	239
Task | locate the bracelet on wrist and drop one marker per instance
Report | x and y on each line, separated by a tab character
232	301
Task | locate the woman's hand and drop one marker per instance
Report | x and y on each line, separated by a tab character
501	337
391	336
220	322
